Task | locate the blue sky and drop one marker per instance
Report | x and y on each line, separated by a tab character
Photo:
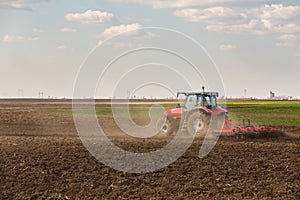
255	43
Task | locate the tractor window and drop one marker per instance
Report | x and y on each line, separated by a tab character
210	101
191	102
213	101
207	102
200	98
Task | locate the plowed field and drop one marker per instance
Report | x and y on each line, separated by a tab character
42	157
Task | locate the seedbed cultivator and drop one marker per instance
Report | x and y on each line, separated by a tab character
247	131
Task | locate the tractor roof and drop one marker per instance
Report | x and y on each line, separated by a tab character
199	93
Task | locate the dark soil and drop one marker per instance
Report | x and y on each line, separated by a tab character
42	157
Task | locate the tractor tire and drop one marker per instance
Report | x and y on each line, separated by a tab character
167	128
197	123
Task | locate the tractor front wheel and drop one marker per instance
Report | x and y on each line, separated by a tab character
167	127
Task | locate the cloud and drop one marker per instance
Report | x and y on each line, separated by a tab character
91	17
288	40
18	38
254	26
297	54
129	29
132	36
263	20
222	19
289	37
19	4
213	15
12	38
147	36
68	30
277	11
225	47
279	18
196	3
115	30
61	47
14	5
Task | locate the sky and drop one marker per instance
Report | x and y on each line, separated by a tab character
252	46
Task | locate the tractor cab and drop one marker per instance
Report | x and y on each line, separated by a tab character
193	107
198	100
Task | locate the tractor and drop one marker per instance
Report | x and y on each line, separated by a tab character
196	112
200	113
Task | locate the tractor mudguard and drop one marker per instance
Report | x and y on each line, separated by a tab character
203	109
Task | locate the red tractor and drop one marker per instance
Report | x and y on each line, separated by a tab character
200	113
195	114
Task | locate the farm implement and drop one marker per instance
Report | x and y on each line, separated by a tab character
246	131
200	113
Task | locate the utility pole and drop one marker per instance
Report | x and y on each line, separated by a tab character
245	93
41	94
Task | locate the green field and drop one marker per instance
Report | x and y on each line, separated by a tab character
272	113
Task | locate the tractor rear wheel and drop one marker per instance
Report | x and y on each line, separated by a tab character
197	122
167	127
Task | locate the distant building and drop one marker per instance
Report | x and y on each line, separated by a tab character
282	97
272	95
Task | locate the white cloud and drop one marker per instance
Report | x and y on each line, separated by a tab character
130	29
219	15
18	38
91	17
255	27
288	40
277	11
19	4
279	18
289	37
14	4
12	38
194	3
265	19
7	38
222	19
61	47
68	30
225	47
100	42
147	36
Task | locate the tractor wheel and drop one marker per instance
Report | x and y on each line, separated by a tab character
197	122
167	127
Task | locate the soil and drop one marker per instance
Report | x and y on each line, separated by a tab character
42	157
